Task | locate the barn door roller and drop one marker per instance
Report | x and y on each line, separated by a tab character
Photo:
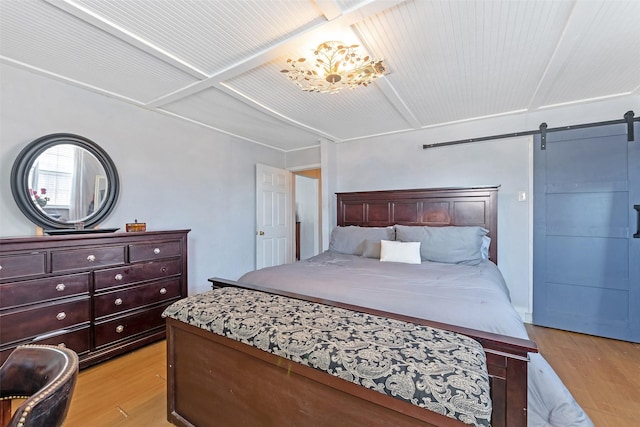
628	116
543	136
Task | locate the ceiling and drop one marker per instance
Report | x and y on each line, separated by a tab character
218	62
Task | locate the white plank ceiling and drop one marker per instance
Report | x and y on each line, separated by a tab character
218	62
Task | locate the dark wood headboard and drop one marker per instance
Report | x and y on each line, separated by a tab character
427	206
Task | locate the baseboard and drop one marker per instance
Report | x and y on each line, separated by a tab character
525	315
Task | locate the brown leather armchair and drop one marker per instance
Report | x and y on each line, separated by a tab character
45	376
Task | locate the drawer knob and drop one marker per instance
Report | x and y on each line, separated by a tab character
163	291
156	251
61	316
60	287
91	258
119	329
118	301
118	276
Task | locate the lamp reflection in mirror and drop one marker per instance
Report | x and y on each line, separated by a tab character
337	66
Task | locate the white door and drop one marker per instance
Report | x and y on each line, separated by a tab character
274	218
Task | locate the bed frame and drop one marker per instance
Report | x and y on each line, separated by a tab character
211	378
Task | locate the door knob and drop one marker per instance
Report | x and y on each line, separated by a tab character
261	233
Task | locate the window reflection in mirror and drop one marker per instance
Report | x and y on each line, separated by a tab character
67	183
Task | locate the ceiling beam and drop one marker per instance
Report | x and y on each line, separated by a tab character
329	8
276	50
123	34
392	95
581	17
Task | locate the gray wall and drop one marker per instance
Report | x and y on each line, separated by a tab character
503	163
308	158
174	174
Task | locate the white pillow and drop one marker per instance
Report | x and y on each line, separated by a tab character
406	252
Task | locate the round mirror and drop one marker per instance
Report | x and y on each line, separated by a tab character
62	181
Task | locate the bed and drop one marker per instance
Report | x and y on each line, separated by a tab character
208	373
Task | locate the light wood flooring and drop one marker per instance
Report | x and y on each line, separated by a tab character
603	375
129	390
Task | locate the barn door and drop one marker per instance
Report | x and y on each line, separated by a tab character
274	218
586	260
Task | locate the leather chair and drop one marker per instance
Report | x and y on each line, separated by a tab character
45	376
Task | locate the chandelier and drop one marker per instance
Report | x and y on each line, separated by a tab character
336	66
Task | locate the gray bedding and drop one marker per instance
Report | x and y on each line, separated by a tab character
469	296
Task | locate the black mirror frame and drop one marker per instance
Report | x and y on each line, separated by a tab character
20	178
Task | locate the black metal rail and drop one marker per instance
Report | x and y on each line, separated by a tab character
543	130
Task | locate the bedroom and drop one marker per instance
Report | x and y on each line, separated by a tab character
166	162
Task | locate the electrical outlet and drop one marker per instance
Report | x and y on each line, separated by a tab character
522	196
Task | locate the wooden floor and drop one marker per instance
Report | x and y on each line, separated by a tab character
603	375
129	390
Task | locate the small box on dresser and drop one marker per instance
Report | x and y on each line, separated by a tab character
99	294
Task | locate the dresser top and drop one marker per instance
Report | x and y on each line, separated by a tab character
12	243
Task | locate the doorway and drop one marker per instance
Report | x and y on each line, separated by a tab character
308	239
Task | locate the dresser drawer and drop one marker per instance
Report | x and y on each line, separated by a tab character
87	258
121	276
64	288
151	251
77	340
137	296
126	326
39	290
22	265
16	325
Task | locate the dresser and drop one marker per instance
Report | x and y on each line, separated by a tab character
100	294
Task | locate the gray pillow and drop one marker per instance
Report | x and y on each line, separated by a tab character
486	244
372	249
452	245
351	239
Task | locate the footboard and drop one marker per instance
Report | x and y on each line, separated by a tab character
217	380
212	381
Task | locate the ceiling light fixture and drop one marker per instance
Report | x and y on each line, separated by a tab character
336	66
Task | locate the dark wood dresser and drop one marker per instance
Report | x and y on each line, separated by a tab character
99	294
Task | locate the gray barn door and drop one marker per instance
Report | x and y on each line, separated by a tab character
586	273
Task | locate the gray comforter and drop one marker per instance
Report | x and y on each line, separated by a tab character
469	296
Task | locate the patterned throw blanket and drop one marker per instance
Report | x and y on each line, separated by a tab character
441	371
